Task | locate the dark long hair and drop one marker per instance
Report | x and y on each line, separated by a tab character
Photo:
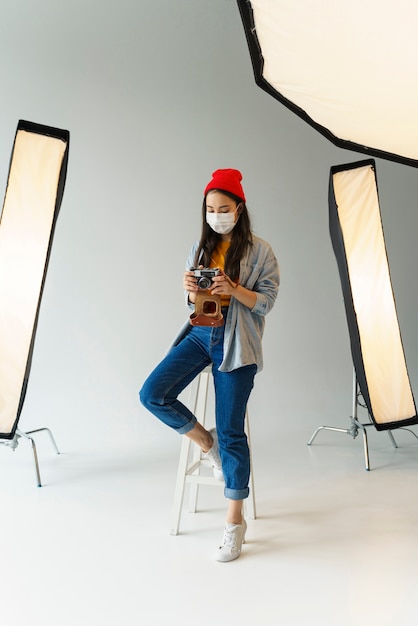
241	239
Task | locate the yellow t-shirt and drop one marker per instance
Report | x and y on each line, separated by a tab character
218	260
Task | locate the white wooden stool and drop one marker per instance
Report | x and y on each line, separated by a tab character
191	459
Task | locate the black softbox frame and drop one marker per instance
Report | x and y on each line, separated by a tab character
389	347
360	79
39	174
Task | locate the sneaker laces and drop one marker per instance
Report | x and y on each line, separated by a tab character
231	541
234	537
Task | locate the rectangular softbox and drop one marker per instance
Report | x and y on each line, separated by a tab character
33	197
358	242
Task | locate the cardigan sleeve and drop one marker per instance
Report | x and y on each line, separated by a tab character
260	273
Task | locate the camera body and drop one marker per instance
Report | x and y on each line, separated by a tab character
204	276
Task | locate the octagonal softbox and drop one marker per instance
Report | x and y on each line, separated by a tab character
33	197
346	68
358	242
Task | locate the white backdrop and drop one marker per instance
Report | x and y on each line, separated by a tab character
156	95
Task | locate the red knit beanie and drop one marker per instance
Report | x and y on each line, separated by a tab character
226	180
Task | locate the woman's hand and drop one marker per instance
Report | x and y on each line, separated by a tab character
190	282
223	285
190	285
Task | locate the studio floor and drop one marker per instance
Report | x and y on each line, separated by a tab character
332	545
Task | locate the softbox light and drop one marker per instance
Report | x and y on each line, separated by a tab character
376	346
32	201
347	68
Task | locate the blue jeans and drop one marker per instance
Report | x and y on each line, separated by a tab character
202	346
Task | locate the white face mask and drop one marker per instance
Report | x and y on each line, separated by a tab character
221	223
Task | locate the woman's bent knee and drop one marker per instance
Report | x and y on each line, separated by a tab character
146	397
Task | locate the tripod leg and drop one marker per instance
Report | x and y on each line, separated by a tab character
338	430
392	438
365	444
38	430
21	433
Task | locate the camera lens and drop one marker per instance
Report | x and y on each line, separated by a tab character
204	283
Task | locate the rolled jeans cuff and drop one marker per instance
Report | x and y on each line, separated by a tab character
236	494
186	428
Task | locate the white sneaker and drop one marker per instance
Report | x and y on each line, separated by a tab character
234	537
213	456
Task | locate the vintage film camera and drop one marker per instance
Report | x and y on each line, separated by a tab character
205	275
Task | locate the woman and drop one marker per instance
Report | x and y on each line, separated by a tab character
247	285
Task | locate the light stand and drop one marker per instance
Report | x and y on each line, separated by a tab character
355	425
380	371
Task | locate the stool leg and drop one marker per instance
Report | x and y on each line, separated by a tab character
180	486
200	412
197	404
249	503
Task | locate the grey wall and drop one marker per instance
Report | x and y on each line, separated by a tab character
156	95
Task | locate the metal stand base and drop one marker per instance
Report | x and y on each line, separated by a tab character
13	443
353	431
355	426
